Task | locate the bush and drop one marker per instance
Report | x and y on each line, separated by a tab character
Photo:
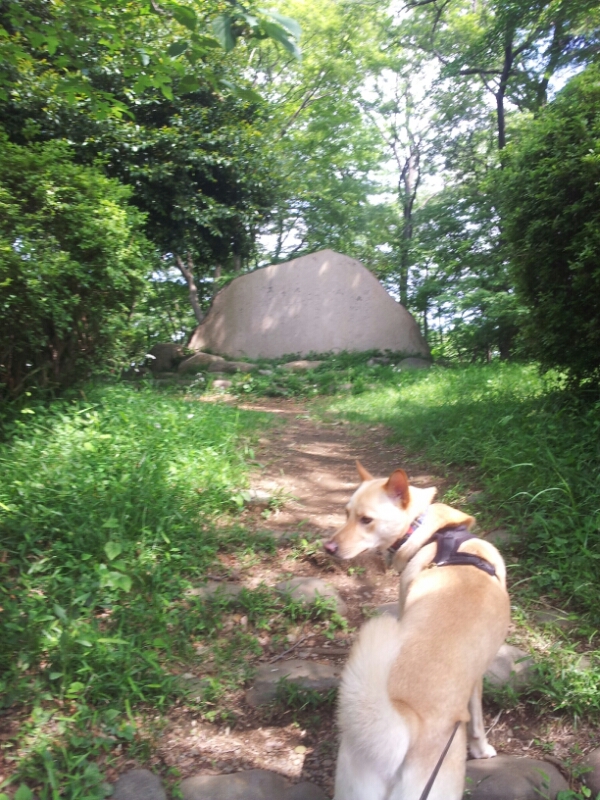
72	260
552	214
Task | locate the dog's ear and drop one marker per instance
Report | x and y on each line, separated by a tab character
397	487
365	475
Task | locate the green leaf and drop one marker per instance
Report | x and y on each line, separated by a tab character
188	84
222	27
112	550
60	613
248	94
167	91
279	34
287	22
111	523
22	793
185	16
177	48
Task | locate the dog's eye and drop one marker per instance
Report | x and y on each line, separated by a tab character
366	520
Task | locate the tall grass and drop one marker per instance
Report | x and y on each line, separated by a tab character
532	449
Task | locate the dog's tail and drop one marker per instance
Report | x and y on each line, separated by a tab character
368	720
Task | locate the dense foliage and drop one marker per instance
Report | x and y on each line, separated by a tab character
73	260
552	213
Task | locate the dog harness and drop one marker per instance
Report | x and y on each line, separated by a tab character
448	540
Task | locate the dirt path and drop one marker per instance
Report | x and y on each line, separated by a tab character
310	464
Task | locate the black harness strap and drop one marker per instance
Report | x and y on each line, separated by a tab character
448	541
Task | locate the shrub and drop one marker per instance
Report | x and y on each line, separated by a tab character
72	260
552	214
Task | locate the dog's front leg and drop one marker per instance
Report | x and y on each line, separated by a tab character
479	747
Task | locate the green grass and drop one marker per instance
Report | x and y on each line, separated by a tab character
108	513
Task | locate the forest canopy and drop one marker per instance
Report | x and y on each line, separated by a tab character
166	147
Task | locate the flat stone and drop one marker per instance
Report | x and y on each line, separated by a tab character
592	778
513	778
376	360
193	688
304	791
212	588
138	784
548	616
301	366
512	666
308	589
231	366
265	372
306	674
254	784
414	363
199	361
222	383
501	538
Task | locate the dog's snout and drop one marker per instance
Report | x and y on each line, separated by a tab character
331	547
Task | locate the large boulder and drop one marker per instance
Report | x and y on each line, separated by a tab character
165	357
318	303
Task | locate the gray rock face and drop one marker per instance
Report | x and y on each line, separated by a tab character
199	361
512	666
165	357
318	303
255	784
309	589
305	674
513	778
138	784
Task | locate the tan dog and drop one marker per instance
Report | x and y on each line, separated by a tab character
408	682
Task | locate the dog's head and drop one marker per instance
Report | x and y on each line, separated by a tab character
379	512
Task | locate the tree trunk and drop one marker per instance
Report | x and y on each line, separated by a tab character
188	274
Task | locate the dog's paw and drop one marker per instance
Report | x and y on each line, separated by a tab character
481	749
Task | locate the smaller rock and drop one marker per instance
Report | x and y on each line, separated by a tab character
377	361
308	589
308	675
257	498
265	372
304	791
475	497
592	778
212	588
548	616
231	366
301	366
511	666
138	784
253	784
500	538
222	383
199	361
163	357
414	363
512	777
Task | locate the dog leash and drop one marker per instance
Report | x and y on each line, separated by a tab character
429	784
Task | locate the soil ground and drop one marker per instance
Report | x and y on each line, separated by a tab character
310	464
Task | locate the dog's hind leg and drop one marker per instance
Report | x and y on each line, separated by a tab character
355	778
479	747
